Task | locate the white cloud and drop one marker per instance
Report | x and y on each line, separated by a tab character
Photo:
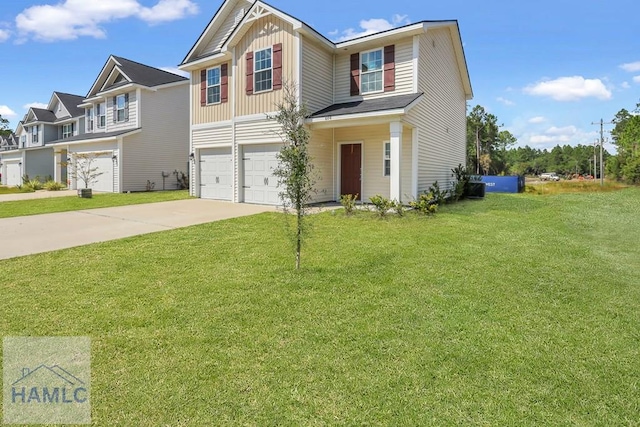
563	131
625	85
537	119
631	67
570	89
71	19
505	101
4	35
566	135
6	111
372	26
35	105
636	79
175	70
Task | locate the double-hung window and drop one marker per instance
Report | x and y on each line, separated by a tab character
121	106
386	159
371	71
263	70
89	119
101	115
23	140
213	85
67	130
34	134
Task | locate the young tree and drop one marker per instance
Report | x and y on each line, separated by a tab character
294	171
4	126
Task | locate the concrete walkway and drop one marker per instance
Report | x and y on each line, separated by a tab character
40	194
43	233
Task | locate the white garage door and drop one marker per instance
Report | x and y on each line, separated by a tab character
216	173
101	167
260	186
13	174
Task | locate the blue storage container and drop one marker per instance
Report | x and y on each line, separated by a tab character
504	184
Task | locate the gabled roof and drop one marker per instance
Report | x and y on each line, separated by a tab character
71	103
133	73
42	115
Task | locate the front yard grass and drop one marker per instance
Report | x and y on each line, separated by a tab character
74	203
13	190
517	310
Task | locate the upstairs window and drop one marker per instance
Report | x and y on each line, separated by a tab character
213	85
121	107
23	140
89	119
67	130
263	70
371	72
101	115
34	134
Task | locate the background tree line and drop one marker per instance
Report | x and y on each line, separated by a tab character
625	165
491	151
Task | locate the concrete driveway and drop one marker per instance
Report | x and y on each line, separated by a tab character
27	235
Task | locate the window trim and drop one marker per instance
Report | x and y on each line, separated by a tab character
102	116
256	71
385	159
219	68
37	131
123	109
362	73
90	119
67	134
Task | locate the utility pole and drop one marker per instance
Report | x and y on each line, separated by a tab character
601	123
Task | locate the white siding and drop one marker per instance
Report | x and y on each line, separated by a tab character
212	136
163	143
404	74
133	113
317	76
441	113
321	149
258	132
406	193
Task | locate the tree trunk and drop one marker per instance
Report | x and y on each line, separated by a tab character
298	239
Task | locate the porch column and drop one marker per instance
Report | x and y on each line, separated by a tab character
395	130
57	167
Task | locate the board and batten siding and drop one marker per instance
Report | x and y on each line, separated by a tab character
208	113
317	76
220	36
404	74
104	148
163	143
133	112
264	32
321	151
441	113
39	163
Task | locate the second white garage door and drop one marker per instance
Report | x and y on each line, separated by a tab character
101	170
13	174
258	164
216	173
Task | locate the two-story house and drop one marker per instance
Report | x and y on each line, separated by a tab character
135	129
388	109
35	134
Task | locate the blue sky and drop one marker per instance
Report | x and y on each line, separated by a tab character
547	69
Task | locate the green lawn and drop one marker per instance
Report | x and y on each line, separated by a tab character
13	190
74	203
520	310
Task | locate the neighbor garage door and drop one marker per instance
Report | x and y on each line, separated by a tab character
216	173
13	174
103	166
258	164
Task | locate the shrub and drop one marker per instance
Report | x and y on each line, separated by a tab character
381	204
460	188
52	185
348	202
440	196
425	205
398	207
34	184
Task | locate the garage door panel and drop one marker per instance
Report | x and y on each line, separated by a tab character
103	175
216	179
260	185
13	174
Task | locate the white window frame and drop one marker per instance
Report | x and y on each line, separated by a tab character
90	119
67	130
34	135
262	70
101	115
218	85
381	71
123	109
386	158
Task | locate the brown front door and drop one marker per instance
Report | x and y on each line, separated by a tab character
351	169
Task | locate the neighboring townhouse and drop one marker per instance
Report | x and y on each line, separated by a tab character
135	129
388	109
35	134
